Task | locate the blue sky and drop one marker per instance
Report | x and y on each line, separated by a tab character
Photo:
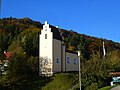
99	18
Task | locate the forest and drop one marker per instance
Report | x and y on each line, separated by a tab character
21	38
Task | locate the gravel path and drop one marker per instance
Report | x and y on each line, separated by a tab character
116	88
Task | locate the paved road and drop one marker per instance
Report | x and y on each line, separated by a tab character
116	88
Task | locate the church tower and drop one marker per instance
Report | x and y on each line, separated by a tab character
50	52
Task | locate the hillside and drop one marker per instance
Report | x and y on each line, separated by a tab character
12	29
21	38
61	81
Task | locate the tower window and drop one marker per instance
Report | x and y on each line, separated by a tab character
45	36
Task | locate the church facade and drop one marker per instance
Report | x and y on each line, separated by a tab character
53	56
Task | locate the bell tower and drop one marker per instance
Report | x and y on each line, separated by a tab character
46	51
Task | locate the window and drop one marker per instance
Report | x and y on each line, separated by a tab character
57	60
75	61
45	36
68	60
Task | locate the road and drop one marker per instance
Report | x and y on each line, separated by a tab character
116	88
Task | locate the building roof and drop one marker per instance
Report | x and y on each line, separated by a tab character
71	52
115	73
56	33
7	54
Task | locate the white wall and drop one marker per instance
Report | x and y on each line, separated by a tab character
46	45
63	59
57	55
71	66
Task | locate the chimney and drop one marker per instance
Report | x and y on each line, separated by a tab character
46	22
57	27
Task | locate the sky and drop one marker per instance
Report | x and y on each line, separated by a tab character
98	18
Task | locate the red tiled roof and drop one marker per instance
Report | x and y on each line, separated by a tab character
7	54
115	73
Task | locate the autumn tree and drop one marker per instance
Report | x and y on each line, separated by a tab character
29	41
95	71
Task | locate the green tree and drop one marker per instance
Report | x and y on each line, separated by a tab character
29	41
95	71
5	41
15	47
17	70
18	67
33	63
113	60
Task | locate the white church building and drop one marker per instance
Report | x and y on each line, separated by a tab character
53	56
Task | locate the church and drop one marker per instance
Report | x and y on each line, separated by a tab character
53	55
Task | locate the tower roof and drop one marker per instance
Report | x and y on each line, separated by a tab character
55	30
56	33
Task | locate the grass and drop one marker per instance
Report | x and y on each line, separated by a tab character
61	81
106	88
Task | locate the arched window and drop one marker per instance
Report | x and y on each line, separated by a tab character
45	36
75	61
68	60
57	60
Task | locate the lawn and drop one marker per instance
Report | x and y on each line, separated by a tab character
61	81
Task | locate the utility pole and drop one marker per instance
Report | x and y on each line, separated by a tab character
79	69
